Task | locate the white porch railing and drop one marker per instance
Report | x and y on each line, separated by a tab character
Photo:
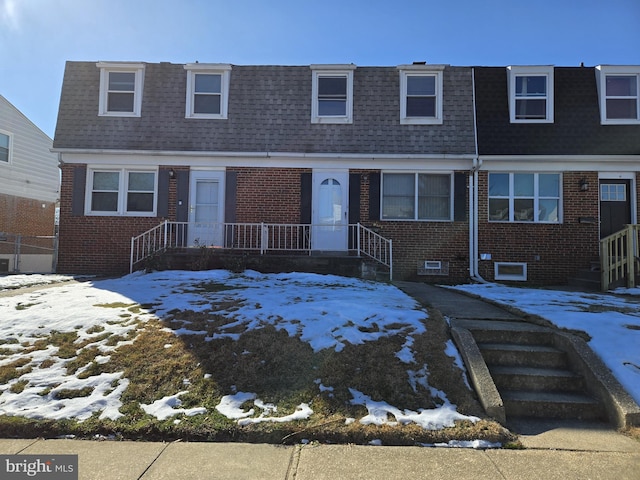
257	237
619	257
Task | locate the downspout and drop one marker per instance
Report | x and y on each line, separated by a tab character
473	195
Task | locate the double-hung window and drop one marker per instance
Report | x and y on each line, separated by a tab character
524	197
5	148
531	94
421	94
619	89
207	90
120	89
332	93
121	192
417	196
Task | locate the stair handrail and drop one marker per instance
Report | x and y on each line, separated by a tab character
619	258
375	246
148	243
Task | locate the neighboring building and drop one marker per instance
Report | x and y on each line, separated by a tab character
395	149
29	188
559	167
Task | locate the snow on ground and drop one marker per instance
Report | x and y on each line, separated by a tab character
324	310
9	282
612	321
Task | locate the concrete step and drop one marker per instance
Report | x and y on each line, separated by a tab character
536	379
511	354
519	403
496	331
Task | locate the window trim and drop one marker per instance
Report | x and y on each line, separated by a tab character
121	210
426	71
512	277
332	71
536	198
222	69
604	71
10	148
105	69
416	196
531	71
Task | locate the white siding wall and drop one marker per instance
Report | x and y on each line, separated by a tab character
33	170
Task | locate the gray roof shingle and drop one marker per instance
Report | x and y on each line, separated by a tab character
269	111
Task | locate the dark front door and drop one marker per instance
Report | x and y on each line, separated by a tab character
615	206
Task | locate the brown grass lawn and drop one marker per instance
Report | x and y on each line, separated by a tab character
280	369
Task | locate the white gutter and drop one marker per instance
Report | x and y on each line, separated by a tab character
473	195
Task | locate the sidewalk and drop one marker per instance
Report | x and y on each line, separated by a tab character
564	453
559	450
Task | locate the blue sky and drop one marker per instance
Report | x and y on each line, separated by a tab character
38	36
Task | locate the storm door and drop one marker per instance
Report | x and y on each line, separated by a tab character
330	211
206	208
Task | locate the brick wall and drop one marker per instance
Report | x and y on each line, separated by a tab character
96	245
553	252
270	195
25	216
415	242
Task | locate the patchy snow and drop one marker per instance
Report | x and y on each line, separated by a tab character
429	419
326	311
612	321
166	407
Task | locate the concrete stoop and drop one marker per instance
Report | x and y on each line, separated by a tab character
525	370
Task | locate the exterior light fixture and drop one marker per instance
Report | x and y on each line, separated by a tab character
584	185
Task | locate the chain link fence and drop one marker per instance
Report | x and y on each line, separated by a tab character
27	254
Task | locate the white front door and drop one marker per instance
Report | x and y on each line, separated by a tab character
206	207
330	210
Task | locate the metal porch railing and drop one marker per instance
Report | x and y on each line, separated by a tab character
256	237
619	258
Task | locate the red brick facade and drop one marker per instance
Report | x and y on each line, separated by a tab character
552	252
26	216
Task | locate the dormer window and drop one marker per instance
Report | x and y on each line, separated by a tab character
207	90
332	94
421	94
619	92
530	94
120	89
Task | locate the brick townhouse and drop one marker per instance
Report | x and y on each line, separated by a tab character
468	171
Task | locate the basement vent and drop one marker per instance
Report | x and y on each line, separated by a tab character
4	265
433	267
510	271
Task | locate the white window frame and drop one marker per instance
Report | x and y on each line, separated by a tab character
530	71
536	199
122	191
222	69
604	71
416	197
10	149
105	69
426	71
319	71
513	277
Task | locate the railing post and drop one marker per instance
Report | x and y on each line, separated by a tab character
390	260
166	227
631	260
358	237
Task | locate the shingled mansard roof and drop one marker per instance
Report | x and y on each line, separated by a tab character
269	111
576	129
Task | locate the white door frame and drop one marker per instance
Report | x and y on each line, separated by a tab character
330	230
206	231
